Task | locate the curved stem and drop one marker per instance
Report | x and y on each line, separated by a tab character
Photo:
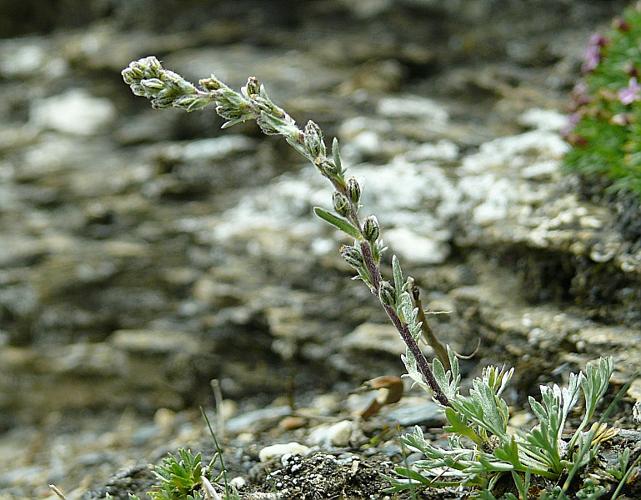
411	344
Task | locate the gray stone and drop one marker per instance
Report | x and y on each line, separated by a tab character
74	112
412	412
371	337
249	421
334	435
155	342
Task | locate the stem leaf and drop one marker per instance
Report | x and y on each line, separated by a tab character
338	222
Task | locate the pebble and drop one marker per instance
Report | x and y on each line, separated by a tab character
238	482
291	423
335	435
279	450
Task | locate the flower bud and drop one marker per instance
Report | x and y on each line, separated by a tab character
162	102
353	190
210	84
192	102
352	256
326	167
621	25
147	67
371	229
341	204
314	140
387	294
152	85
631	70
252	88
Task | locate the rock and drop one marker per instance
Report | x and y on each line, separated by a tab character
155	342
635	390
290	423
515	151
417	248
334	435
368	8
238	482
280	450
206	149
413	106
374	337
443	150
231	63
544	119
257	419
414	411
74	112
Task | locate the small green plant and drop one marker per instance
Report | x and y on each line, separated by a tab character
481	448
605	125
179	476
183	477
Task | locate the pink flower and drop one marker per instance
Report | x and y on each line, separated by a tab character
571	124
580	94
621	24
631	93
592	56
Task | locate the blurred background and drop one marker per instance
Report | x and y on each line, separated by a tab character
144	253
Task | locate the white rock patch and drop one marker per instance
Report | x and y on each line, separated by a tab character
74	112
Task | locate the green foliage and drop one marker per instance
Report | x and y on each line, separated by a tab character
606	122
481	447
183	477
179	477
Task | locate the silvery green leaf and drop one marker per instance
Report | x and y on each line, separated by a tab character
298	147
522	484
337	222
458	425
399	281
497	378
412	475
595	383
412	371
336	156
484	408
509	452
231	123
270	124
544	442
448	381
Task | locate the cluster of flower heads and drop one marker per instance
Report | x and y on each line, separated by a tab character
605	122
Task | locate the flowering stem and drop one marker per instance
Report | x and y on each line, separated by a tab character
167	89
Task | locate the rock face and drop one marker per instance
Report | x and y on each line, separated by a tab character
144	253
